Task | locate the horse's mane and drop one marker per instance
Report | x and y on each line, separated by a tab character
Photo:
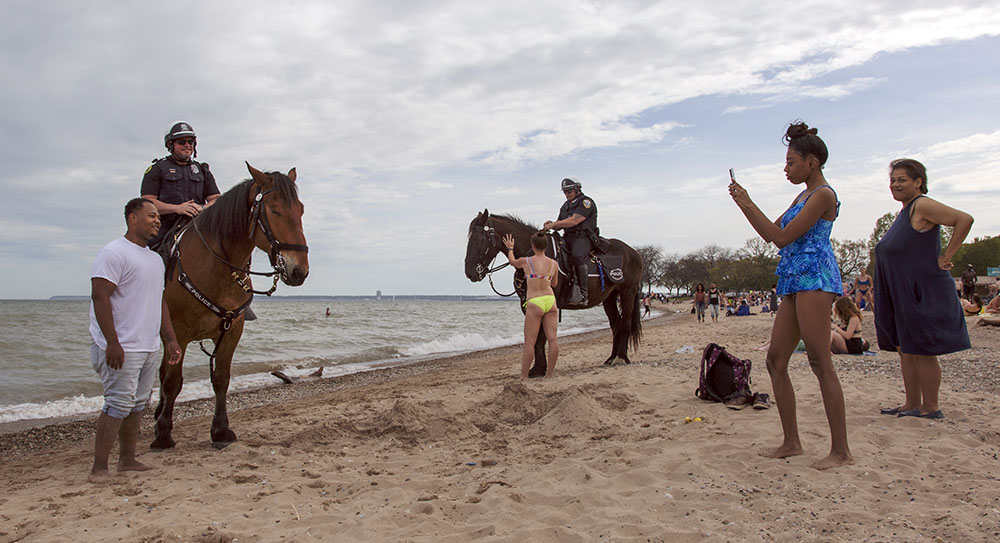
518	220
228	219
477	222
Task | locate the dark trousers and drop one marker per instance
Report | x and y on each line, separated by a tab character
579	251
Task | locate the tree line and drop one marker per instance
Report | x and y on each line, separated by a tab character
751	267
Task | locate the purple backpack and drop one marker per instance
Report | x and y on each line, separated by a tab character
723	376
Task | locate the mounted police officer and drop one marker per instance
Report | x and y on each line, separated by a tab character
578	220
176	184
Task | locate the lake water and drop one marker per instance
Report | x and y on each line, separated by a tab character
45	366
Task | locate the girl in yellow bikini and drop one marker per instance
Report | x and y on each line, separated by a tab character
542	274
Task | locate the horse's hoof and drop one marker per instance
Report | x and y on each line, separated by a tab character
162	443
224	438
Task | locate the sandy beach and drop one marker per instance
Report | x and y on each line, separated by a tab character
458	449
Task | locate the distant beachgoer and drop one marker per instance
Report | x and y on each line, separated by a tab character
972	307
863	290
808	281
917	313
328	312
772	301
699	301
846	339
645	304
969	279
993	307
541	273
714	300
128	316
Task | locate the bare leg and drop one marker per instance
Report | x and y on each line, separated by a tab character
107	430
128	433
550	321
911	382
927	371
813	312
838	345
532	320
784	338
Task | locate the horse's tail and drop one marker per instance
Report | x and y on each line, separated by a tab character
635	331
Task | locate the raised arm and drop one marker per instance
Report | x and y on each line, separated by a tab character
816	206
927	212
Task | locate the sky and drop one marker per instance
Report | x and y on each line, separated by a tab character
405	119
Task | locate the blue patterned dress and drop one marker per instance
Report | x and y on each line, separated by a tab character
808	263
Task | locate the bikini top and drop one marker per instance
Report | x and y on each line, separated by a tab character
533	275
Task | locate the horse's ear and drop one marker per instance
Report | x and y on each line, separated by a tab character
486	213
261	178
291	174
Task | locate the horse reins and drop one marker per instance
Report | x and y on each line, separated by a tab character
258	217
494	244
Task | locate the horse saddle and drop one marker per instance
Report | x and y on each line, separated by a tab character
605	267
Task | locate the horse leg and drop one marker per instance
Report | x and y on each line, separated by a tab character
171	381
629	312
541	364
222	436
611	310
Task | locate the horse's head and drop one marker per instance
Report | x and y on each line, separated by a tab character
276	213
484	244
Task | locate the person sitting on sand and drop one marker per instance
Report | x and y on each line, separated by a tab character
993	307
974	307
846	339
541	273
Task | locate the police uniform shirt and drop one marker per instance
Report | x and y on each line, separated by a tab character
174	183
583	206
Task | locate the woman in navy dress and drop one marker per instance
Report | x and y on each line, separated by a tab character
808	281
917	310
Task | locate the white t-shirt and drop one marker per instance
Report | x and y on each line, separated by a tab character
136	302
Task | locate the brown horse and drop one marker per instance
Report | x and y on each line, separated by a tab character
620	300
208	282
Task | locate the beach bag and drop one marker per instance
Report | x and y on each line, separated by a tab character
723	375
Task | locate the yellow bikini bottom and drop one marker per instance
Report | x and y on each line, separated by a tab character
545	303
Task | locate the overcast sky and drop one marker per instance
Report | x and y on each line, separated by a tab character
404	119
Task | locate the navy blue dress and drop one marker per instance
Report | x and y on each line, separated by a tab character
916	306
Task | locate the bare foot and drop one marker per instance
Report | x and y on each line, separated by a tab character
833	461
784	451
100	477
134	465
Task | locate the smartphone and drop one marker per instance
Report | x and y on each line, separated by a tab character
732	176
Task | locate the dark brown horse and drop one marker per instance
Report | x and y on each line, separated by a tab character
620	300
209	287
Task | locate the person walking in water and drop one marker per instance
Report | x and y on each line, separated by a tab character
541	273
808	281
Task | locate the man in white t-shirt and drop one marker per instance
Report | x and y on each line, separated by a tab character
128	317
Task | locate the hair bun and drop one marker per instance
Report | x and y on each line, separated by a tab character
798	129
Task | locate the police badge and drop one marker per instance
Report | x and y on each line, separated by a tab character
194	168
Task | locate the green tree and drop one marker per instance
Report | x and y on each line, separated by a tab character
652	264
852	256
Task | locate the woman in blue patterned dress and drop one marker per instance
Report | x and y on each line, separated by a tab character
808	282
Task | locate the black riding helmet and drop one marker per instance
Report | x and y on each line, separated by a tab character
178	130
570	183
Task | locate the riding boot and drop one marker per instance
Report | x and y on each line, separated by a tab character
581	281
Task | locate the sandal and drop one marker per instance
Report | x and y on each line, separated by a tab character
891	410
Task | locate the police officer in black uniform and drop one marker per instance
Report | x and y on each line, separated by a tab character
176	184
578	220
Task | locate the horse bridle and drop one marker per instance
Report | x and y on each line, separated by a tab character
258	217
493	245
